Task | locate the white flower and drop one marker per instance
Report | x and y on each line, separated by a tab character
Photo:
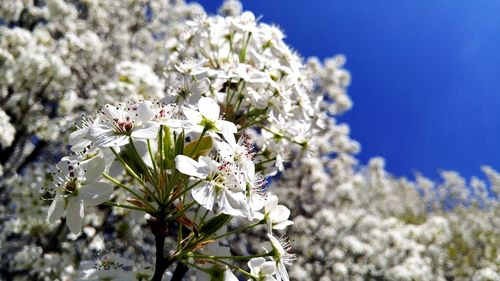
216	273
77	185
116	125
8	131
276	216
281	256
192	89
223	187
207	118
262	269
108	268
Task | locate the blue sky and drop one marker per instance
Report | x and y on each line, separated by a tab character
426	85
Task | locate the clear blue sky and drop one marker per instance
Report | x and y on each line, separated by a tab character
426	75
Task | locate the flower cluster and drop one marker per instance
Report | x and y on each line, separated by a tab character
190	173
357	223
261	84
59	58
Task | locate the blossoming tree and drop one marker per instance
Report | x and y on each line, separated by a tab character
175	121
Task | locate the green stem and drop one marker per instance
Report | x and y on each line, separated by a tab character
239	230
268	254
127	167
281	135
205	129
119	184
185	191
113	204
184	210
152	157
238	269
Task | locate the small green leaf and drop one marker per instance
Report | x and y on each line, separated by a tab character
214	224
195	149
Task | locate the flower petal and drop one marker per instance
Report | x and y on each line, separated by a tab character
255	264
144	112
209	108
229	276
56	210
94	168
268	268
95	193
189	166
279	213
74	215
282	225
271	202
149	130
192	115
234	204
105	137
204	195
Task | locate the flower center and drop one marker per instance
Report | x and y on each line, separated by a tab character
71	187
123	126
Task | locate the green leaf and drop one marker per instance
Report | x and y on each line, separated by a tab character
168	148
198	147
214	224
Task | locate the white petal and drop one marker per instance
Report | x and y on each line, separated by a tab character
80	145
271	202
144	112
227	129
255	264
282	225
74	215
189	166
78	135
56	210
225	150
149	130
209	108
78	139
229	276
192	115
202	276
282	273
208	165
94	168
200	87
227	126
234	204
204	195
95	193
268	268
105	137
279	213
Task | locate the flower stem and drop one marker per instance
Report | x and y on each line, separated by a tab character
119	184
238	230
113	204
268	254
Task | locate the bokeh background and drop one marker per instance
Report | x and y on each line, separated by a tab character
425	75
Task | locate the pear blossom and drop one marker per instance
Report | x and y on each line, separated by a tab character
207	118
116	124
77	185
262	269
281	256
107	268
223	188
276	216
